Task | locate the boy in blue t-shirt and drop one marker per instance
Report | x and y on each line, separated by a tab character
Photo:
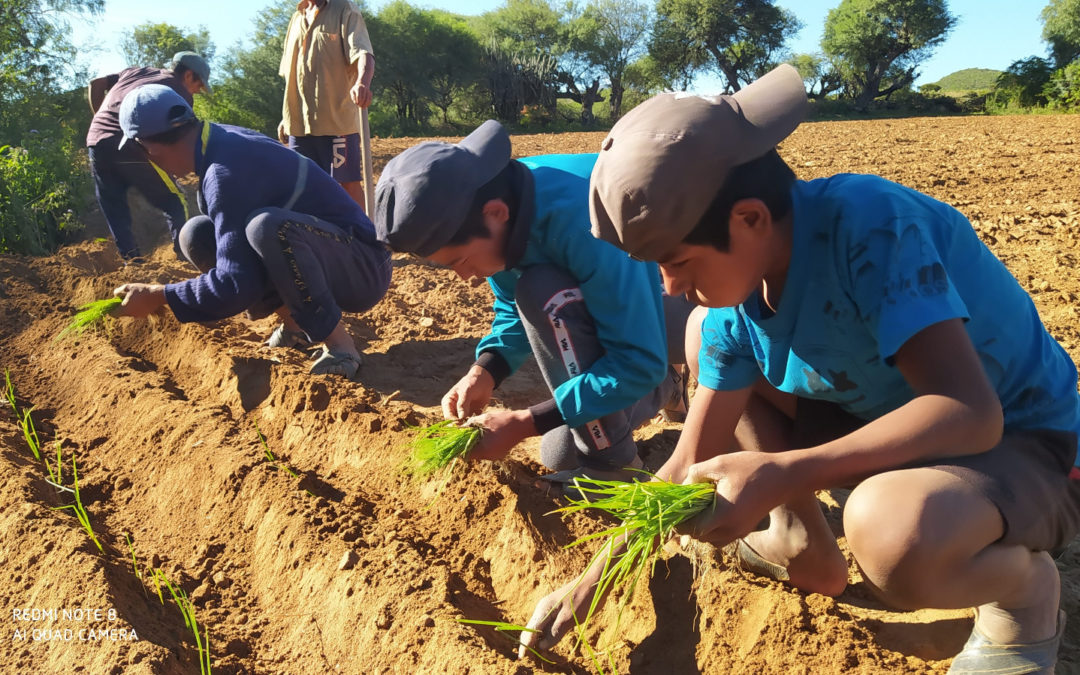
859	333
595	320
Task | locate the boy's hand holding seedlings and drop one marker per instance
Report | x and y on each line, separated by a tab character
554	614
748	486
140	300
470	395
503	429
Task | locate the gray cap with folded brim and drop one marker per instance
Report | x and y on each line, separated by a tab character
195	64
664	162
424	194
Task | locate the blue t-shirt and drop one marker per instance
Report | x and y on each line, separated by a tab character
622	296
872	264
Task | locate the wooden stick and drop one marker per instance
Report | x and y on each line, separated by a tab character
365	146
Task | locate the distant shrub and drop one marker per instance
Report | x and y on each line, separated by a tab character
913	102
43	184
972	102
1063	89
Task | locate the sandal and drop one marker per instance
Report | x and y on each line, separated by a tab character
336	363
749	560
982	655
675	410
283	337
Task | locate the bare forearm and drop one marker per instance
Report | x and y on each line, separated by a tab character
708	431
928	427
365	69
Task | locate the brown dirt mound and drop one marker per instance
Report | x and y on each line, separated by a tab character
350	567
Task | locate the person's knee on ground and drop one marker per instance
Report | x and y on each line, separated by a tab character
198	244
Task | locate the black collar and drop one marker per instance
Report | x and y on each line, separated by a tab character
521	223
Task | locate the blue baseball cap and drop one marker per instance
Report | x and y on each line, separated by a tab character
152	109
424	194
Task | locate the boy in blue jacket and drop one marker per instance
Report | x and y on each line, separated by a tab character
279	236
593	318
859	333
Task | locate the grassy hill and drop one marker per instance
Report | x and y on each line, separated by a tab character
969	79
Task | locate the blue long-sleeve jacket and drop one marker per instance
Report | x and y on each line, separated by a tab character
621	294
241	171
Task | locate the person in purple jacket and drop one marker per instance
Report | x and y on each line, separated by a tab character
117	169
280	235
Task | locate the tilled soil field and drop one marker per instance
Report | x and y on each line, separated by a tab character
347	566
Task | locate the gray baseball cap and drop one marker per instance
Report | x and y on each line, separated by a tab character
195	64
424	194
662	164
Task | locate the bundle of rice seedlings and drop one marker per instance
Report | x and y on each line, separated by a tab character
90	315
649	513
437	447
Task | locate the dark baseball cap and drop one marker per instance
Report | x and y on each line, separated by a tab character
152	109
662	164
424	194
195	64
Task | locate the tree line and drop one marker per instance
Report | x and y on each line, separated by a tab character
553	64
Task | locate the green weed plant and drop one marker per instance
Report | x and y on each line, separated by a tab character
274	460
187	609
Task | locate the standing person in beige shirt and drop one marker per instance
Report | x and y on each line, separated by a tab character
327	65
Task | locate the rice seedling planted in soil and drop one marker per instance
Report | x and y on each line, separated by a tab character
187	609
502	627
89	316
437	447
78	508
649	513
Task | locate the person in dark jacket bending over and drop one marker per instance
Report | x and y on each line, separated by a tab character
280	235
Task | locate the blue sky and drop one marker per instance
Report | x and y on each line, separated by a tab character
989	33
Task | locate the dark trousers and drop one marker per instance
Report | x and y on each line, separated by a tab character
563	447
315	268
115	170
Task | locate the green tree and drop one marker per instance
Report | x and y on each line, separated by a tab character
523	25
43	174
1064	86
645	78
153	44
455	56
248	92
611	36
403	79
1061	29
1024	83
878	44
818	73
740	39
